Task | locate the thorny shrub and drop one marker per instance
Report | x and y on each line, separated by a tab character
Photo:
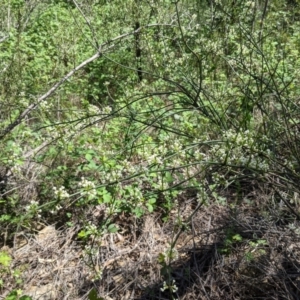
218	103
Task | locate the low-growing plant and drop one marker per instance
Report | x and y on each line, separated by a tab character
9	274
215	114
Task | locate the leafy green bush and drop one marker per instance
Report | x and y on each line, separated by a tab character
215	114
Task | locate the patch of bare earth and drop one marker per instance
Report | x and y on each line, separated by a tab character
222	254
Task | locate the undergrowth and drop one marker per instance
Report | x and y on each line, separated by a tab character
196	102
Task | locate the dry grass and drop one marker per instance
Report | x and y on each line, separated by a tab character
54	265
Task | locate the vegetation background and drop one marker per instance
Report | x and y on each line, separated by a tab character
149	149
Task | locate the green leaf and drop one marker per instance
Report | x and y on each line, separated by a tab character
82	234
138	211
88	157
5	259
161	258
12	295
237	237
25	298
93	295
169	178
106	198
152	200
150	207
112	228
92	165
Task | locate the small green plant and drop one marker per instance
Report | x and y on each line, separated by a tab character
15	295
231	239
5	259
5	271
257	248
93	295
165	258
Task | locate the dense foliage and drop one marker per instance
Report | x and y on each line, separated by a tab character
129	105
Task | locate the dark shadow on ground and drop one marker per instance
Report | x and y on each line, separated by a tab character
252	257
